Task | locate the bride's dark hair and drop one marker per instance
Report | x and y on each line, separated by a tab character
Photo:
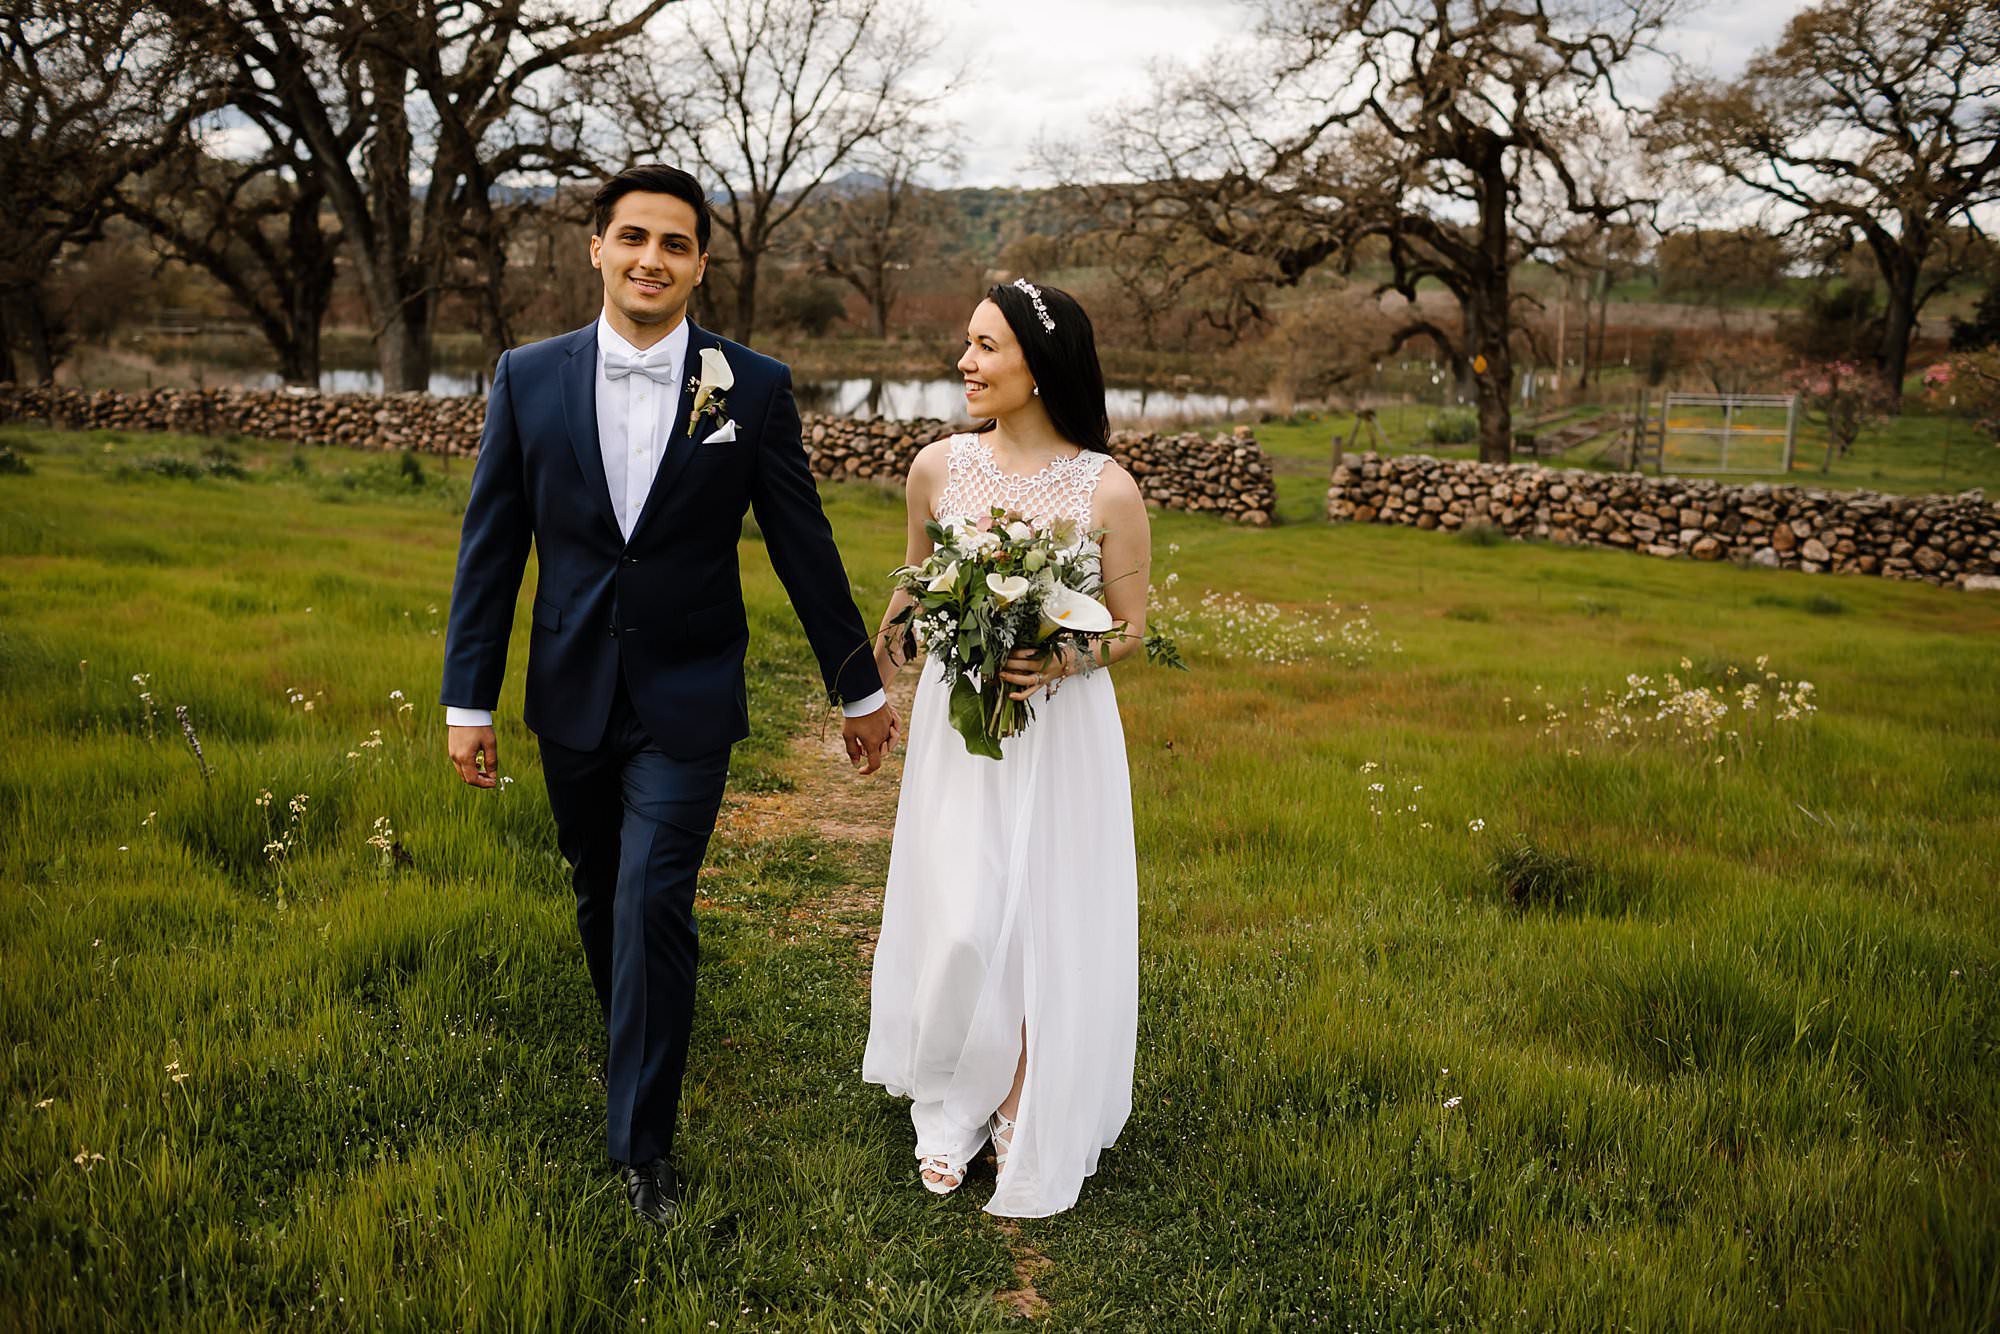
1063	361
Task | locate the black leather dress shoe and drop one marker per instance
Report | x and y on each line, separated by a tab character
652	1189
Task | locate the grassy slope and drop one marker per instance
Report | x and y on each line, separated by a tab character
1746	1076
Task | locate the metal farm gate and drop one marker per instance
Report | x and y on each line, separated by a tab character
1714	433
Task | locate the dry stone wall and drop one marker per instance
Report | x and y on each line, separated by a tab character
1939	539
1227	475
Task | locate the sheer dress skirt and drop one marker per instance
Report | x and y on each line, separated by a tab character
1012	904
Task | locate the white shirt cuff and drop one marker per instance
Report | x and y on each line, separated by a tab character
457	717
861	708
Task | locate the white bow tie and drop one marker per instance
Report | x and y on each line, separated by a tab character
618	365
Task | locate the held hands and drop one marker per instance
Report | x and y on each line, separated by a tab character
1031	669
475	753
871	737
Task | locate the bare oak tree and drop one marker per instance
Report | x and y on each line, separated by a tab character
774	98
90	94
413	112
870	237
1869	121
1455	130
257	226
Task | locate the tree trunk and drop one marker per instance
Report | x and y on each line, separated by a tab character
745	321
6	343
312	292
1603	318
881	301
1496	416
35	329
403	348
1899	323
398	287
1491	384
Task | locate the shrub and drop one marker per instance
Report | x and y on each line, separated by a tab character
1983	329
220	462
1659	357
167	465
1454	426
215	461
12	464
808	305
1532	876
1480	533
1840	324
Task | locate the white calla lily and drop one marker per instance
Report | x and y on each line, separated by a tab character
715	372
715	377
1067	609
1006	587
942	583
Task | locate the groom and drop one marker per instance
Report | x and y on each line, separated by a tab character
631	480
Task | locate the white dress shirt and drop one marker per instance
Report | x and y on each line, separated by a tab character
632	417
633	421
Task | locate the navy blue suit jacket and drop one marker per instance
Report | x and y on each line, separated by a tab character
664	610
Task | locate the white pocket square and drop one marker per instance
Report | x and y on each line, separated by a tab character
722	434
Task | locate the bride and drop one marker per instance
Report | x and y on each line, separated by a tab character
1005	994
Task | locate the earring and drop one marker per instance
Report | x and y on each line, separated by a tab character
1038	391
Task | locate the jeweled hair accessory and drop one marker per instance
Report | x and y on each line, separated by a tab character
1035	295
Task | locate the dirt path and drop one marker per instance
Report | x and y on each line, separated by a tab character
828	797
829	800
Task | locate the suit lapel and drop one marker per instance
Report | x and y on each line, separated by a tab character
579	400
679	446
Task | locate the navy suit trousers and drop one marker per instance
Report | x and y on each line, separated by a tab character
634	824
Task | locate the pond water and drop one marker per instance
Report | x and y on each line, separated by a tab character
354	380
897	399
945	398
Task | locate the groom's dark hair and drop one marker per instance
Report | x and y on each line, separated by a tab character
652	179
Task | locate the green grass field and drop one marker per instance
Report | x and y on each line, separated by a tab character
1603	1033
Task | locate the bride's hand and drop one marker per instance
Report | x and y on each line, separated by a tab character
1032	669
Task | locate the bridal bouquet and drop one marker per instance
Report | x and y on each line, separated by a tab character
992	587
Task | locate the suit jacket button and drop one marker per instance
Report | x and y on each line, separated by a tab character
631	560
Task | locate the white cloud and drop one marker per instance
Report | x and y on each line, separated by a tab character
1042	68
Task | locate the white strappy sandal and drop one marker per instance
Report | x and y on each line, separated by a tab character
936	1164
1001	1131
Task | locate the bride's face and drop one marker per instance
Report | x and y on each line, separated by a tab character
997	379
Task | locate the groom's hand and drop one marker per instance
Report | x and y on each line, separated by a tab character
870	737
469	746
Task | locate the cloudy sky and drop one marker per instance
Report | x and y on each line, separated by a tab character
1042	67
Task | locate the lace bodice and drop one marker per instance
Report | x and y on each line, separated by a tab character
1062	490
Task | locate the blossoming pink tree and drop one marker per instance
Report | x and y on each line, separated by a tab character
1969	383
1838	396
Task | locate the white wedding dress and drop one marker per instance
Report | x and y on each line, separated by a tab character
1013	898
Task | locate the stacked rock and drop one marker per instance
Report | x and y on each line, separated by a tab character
364	421
1939	539
1226	475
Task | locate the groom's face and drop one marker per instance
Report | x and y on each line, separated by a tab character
649	257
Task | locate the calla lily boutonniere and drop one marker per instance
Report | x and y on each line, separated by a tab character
715	377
